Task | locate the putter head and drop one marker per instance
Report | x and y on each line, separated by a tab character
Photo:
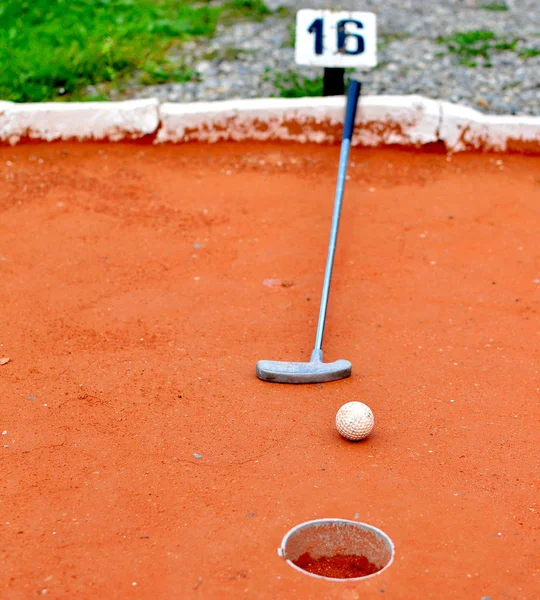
314	371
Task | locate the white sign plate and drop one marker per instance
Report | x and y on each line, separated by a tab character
328	38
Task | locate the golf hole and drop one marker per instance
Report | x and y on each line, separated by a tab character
337	549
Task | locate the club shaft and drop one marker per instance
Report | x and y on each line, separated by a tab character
342	172
353	94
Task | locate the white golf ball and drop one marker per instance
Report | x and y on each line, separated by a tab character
355	421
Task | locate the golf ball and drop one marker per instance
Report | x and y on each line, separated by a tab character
354	421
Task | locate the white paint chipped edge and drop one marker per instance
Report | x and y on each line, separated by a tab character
464	129
382	120
78	120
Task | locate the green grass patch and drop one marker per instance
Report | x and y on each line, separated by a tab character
496	6
54	49
164	71
472	46
529	52
256	9
226	54
291	35
293	85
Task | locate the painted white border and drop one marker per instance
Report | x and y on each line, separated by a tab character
382	120
464	129
78	120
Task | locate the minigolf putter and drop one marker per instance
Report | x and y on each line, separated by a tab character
316	371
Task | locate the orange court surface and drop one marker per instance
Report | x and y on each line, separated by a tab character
140	455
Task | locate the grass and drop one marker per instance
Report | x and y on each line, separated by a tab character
227	54
54	49
293	85
291	32
470	46
529	52
496	6
256	9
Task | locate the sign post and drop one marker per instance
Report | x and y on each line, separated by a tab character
333	81
335	40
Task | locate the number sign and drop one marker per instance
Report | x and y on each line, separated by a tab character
328	38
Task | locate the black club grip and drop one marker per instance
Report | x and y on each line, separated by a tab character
353	93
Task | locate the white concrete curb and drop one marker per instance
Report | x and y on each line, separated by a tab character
463	129
383	120
78	120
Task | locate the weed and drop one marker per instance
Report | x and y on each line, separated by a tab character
228	54
470	46
293	85
291	30
529	52
155	73
496	6
256	10
284	12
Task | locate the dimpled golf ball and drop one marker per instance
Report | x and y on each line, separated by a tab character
354	421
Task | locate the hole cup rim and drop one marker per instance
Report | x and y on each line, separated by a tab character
358	524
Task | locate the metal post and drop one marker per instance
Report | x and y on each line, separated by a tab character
333	82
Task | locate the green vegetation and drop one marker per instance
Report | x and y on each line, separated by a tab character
291	30
495	6
293	85
470	46
529	52
226	54
256	9
54	49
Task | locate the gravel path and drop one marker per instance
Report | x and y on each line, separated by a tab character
244	60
